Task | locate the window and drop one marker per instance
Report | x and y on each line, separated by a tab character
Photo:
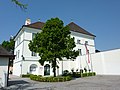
33	68
18	53
78	41
34	54
86	42
17	41
47	69
80	51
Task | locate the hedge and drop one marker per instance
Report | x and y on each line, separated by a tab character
67	77
88	74
78	74
50	79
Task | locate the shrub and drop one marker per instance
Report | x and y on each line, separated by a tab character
61	78
50	79
65	72
78	75
84	74
68	78
88	74
81	70
93	74
33	77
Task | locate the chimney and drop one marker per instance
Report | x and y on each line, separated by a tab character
28	21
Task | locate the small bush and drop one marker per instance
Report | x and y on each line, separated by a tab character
68	78
84	74
93	74
88	74
34	77
78	75
81	70
65	72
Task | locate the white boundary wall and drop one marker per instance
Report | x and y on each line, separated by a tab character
104	63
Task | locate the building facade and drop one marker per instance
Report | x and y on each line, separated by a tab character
27	62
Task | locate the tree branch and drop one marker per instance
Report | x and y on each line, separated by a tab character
22	6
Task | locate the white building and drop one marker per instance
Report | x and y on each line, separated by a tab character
27	61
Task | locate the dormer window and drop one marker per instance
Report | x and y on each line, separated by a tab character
78	41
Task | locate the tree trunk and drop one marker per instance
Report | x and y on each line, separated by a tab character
54	70
54	67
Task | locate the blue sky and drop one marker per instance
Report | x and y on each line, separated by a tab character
100	17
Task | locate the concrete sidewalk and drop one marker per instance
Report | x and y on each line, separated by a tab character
87	83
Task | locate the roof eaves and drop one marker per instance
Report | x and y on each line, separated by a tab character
18	32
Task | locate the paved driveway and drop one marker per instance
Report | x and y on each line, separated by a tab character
88	83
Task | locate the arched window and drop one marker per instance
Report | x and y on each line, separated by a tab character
33	68
47	69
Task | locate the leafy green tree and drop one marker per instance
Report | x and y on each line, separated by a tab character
9	45
54	43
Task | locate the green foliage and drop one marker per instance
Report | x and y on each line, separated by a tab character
54	42
79	74
88	74
21	5
81	70
9	45
65	72
50	79
61	78
33	77
84	74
